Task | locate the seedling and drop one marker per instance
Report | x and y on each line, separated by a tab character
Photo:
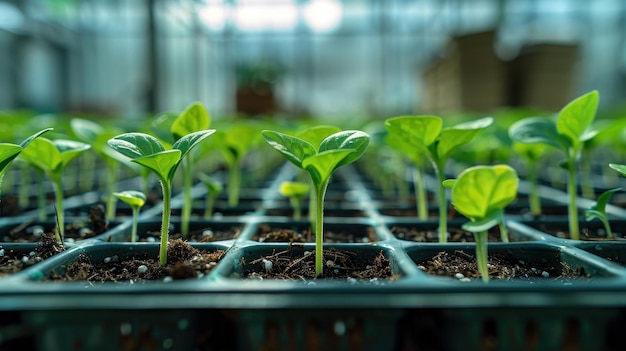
9	151
426	135
135	199
148	151
598	210
334	151
532	154
213	188
52	156
295	191
481	193
568	134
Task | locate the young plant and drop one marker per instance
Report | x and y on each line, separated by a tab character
568	134
97	136
426	135
9	151
334	151
532	154
598	210
148	151
213	188
481	193
136	200
295	191
52	156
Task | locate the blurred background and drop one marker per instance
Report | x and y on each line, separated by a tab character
375	58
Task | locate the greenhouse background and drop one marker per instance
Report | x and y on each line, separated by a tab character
321	57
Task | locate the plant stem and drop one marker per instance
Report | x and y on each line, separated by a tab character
571	189
165	224
59	233
24	191
607	228
504	234
443	204
234	173
421	201
208	205
320	191
41	195
533	197
112	167
133	233
481	255
187	201
297	211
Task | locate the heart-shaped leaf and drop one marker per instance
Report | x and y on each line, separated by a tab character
354	140
322	165
418	131
69	149
162	163
133	198
316	134
576	117
189	141
194	118
294	149
538	130
43	154
489	221
453	137
481	190
134	145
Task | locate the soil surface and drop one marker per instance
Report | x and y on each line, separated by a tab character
462	266
269	234
12	261
588	234
338	264
204	235
184	262
432	235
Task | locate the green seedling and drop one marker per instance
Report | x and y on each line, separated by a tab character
136	200
334	151
598	211
532	154
568	134
52	156
9	151
481	193
425	135
213	188
295	191
148	151
97	136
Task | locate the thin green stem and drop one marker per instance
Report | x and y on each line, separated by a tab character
208	205
533	197
481	255
297	209
504	233
165	224
607	227
571	190
41	195
187	200
443	204
59	233
234	184
133	233
320	191
112	167
421	200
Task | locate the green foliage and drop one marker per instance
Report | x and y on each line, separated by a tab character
334	151
598	210
136	200
295	191
214	187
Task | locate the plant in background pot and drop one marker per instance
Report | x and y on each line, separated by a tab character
295	191
568	133
147	151
481	193
598	211
53	156
213	188
135	199
426	135
532	154
334	151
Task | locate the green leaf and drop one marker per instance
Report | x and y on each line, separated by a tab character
418	131
162	163
161	127
28	140
416	155
322	165
189	141
316	134
538	130
8	152
530	152
43	154
453	137
492	219
86	129
620	168
239	139
354	140
133	198
449	183
481	190
195	118
213	185
69	149
576	117
294	149
134	145
603	199
290	189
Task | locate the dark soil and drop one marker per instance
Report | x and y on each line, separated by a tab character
269	234
588	234
12	261
501	266
204	235
339	264
184	262
432	235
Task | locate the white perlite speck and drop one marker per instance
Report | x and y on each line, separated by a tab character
459	276
142	269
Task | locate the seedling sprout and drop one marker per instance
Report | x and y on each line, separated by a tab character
295	191
136	200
